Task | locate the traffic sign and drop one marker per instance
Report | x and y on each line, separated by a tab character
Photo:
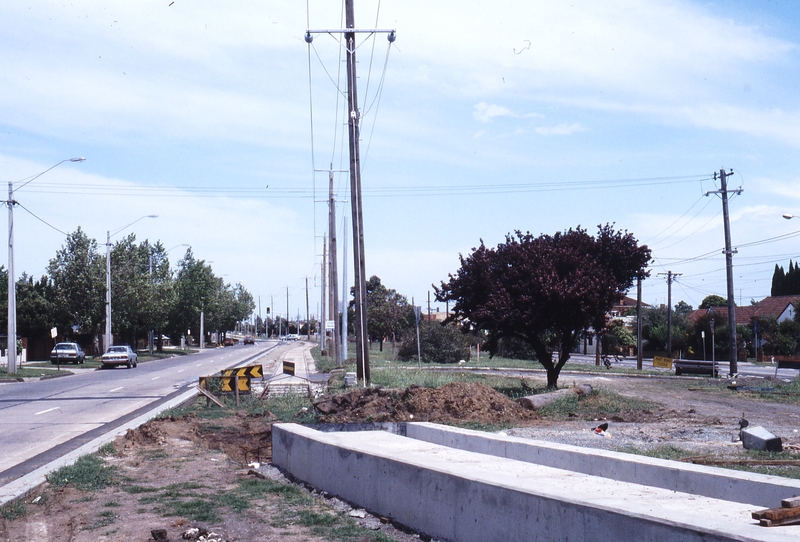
253	371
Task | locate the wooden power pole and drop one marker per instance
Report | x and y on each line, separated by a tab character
353	122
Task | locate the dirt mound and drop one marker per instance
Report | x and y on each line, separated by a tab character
458	402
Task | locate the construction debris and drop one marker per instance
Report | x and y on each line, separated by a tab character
787	514
535	402
758	438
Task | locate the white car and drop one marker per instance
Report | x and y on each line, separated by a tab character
120	355
293	337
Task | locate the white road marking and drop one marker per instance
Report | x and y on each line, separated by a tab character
181	370
48	410
115	389
155	378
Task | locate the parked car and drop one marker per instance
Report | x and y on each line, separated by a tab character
120	355
249	339
228	341
67	353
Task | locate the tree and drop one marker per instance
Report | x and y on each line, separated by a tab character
713	300
34	307
545	290
195	291
78	283
389	315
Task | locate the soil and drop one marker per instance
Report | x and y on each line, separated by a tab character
187	459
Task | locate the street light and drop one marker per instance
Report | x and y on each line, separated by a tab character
109	339
12	291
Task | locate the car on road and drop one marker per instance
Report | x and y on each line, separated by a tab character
67	353
293	337
120	355
248	339
228	341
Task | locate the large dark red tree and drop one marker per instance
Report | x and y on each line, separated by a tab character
545	290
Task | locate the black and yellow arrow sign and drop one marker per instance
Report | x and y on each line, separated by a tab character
253	371
227	383
288	368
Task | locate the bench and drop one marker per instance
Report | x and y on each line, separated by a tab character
696	366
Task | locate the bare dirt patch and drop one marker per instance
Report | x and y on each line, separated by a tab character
458	402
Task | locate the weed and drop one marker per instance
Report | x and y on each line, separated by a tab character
107	449
197	509
105	519
134	489
89	472
13	510
111	504
233	501
601	403
666	451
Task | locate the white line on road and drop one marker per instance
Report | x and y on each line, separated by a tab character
155	378
48	410
181	370
115	389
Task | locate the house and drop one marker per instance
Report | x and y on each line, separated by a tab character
779	307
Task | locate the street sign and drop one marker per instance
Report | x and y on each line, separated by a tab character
665	363
329	324
253	371
288	368
227	383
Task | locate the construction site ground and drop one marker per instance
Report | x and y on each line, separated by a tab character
205	468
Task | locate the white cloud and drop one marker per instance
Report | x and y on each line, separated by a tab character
561	129
484	112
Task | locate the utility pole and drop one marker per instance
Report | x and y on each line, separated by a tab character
729	252
334	284
308	316
362	340
323	337
345	293
670	277
353	121
639	323
287	310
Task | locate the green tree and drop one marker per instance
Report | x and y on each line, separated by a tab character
35	314
545	290
195	291
713	300
77	280
389	314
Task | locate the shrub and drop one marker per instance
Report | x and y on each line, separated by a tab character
438	344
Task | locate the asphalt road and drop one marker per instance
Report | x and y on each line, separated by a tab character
745	368
44	419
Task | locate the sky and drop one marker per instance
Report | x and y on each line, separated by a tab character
481	119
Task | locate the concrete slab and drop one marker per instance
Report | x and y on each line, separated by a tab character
459	495
737	486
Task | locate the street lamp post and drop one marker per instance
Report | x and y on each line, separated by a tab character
12	291
109	338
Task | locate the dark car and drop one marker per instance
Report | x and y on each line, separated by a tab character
248	339
228	341
120	355
67	353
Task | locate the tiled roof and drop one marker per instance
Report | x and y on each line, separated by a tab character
769	307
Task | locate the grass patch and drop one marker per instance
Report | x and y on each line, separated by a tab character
196	509
90	472
601	403
105	519
106	450
13	510
666	451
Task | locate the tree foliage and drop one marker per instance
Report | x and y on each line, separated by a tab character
713	300
545	290
389	314
438	344
786	282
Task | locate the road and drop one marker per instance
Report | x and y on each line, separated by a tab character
745	368
45	419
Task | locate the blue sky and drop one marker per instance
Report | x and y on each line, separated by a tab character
481	119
